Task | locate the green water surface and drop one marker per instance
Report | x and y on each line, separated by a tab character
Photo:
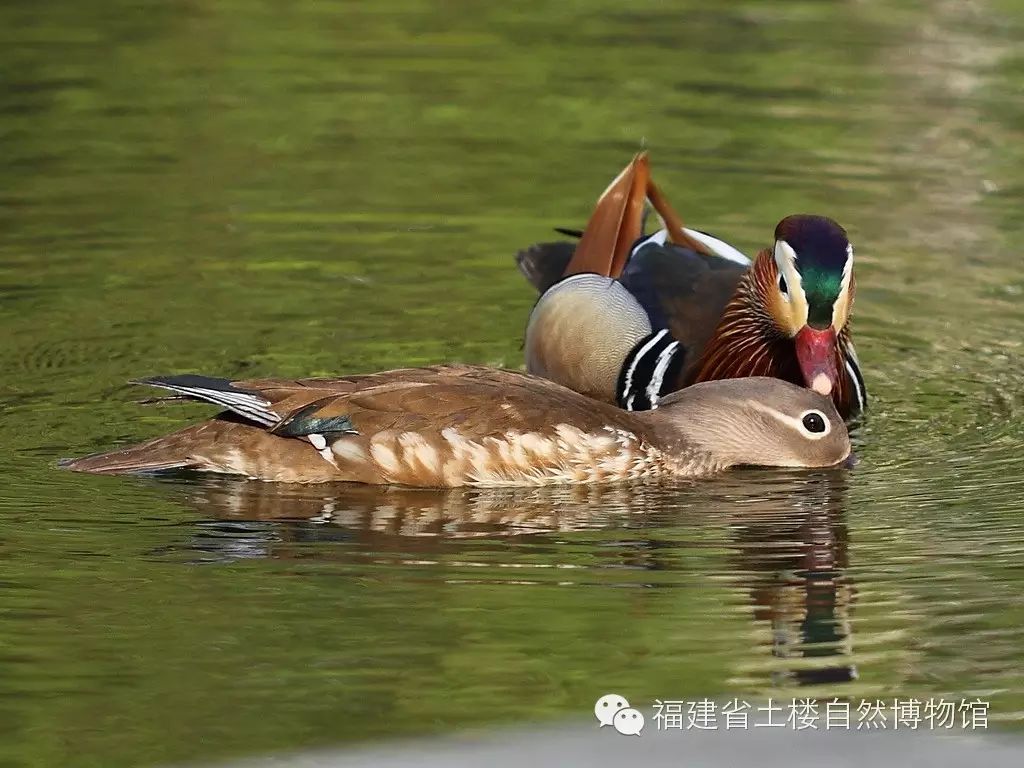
312	187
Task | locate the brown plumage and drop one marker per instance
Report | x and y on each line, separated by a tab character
784	315
466	425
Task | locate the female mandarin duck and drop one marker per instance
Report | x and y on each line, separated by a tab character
466	425
627	322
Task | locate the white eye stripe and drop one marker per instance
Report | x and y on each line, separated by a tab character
848	266
796	423
785	262
841	307
785	256
784	288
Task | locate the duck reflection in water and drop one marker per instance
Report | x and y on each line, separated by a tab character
793	547
785	538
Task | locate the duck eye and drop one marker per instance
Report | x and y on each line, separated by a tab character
814	422
783	288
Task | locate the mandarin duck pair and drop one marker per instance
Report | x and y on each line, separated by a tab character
647	357
627	319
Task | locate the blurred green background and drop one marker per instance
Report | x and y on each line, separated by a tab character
301	188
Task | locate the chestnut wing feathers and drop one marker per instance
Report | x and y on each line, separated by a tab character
477	402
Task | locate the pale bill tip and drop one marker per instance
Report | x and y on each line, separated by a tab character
822	384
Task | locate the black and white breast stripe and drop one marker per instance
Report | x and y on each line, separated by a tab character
853	368
648	371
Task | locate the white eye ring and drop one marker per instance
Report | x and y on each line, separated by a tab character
783	287
810	421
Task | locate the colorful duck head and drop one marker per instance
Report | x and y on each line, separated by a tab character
790	315
806	284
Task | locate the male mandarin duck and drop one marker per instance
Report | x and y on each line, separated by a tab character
466	425
626	319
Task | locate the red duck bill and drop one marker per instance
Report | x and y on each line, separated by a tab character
816	353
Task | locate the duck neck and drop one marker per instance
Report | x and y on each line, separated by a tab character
746	342
684	447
